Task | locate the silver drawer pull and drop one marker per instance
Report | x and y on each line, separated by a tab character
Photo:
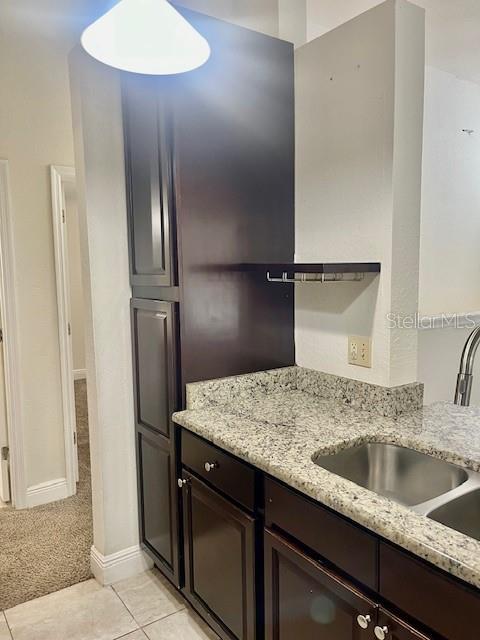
364	621
210	466
181	483
381	632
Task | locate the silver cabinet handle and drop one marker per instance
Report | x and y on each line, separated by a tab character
210	466
181	483
364	621
381	632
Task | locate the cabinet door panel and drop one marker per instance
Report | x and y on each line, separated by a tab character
157	500
305	601
149	184
396	629
154	353
219	558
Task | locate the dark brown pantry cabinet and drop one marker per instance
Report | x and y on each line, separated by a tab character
149	180
209	159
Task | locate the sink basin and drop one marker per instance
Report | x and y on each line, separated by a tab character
404	475
461	514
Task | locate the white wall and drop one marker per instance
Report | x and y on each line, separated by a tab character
99	163
324	15
284	19
75	280
36	131
439	352
450	227
450	224
260	15
359	111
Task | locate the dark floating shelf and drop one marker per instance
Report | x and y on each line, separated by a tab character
303	272
315	267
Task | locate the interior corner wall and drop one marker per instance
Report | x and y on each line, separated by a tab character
350	180
292	21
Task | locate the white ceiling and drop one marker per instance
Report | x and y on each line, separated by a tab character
452	29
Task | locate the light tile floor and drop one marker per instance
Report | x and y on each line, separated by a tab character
139	608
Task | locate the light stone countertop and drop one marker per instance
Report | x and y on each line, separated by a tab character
279	428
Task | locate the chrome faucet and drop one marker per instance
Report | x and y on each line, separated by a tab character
463	390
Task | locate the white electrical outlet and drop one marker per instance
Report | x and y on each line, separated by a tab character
360	351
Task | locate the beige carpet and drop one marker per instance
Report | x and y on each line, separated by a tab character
48	548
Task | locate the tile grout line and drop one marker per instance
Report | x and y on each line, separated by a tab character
133	617
130	632
8	624
184	607
169	615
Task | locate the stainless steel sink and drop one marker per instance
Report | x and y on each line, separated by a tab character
404	475
461	514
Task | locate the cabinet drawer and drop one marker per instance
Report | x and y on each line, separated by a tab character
345	545
228	474
433	598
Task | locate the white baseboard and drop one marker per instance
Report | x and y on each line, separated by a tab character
46	492
79	374
118	566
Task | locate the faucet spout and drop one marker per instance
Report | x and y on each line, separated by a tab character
463	390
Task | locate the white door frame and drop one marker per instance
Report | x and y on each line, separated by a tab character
60	176
11	344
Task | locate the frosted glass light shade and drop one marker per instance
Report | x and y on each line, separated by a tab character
146	36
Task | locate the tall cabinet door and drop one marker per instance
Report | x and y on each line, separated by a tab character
149	183
219	560
157	503
154	367
303	600
154	363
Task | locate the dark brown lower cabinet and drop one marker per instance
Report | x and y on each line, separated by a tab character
219	541
158	501
390	627
303	600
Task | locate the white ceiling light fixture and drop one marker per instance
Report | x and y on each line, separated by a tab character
146	36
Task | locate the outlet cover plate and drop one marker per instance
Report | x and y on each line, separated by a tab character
360	351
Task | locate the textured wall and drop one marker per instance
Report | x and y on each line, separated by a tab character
103	229
36	131
359	100
450	226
